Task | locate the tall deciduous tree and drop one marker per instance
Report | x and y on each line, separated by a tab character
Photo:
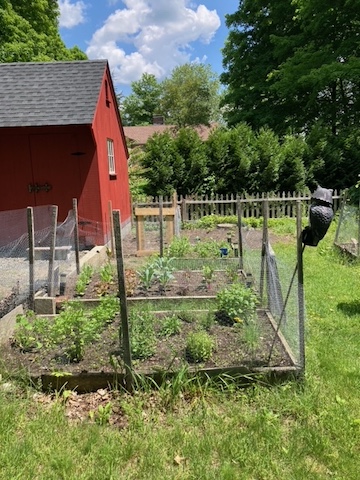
322	76
141	105
250	56
191	95
29	32
293	63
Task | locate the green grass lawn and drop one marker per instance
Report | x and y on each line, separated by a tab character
291	431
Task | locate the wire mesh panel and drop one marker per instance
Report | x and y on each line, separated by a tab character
348	230
280	292
14	253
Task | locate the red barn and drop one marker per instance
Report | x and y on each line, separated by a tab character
61	137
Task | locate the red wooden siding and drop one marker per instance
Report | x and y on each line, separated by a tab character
107	125
67	162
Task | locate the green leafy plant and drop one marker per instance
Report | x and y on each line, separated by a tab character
147	276
206	320
232	273
236	304
163	271
105	311
107	273
107	277
187	316
199	346
208	274
102	415
170	325
142	334
209	248
250	334
74	330
31	332
83	279
179	247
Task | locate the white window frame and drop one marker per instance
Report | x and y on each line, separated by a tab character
111	156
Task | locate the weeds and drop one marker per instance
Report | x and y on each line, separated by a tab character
170	325
199	346
142	337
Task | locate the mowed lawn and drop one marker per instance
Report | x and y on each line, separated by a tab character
186	431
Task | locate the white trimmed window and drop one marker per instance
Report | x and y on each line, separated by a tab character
111	158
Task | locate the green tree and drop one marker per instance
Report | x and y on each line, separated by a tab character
192	150
29	32
321	76
265	162
292	174
141	105
249	58
163	166
334	160
230	153
191	95
293	63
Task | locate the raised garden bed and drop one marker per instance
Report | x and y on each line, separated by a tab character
236	349
185	299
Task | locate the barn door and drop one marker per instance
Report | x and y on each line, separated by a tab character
56	172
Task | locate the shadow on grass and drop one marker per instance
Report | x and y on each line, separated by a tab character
350	308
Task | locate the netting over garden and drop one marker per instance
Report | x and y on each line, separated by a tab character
14	252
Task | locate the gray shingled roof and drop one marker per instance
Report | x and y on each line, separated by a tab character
56	93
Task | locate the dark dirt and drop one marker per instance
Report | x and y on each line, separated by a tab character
231	349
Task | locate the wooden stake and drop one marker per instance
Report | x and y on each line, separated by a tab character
161	219
30	225
301	303
52	251
265	211
239	220
124	335
76	236
112	239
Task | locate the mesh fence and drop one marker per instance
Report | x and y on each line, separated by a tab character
348	231
14	252
274	279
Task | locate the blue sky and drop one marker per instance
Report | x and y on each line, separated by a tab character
153	36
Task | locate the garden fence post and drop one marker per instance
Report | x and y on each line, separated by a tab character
52	251
300	271
30	225
161	220
124	334
76	236
265	212
239	220
112	240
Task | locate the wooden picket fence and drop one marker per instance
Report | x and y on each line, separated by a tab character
195	207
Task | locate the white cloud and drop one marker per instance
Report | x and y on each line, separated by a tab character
151	36
71	14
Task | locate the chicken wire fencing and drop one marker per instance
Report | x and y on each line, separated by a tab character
275	281
15	264
347	236
273	277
